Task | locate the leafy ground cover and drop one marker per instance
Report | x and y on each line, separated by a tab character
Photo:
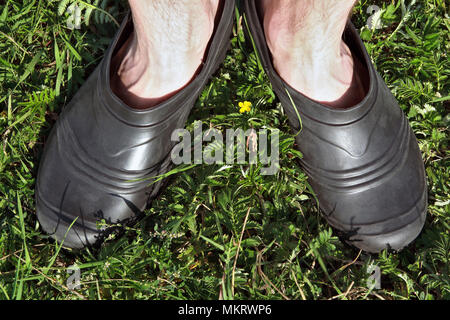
216	231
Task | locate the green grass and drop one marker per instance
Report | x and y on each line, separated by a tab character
216	232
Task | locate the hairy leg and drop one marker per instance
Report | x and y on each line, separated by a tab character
305	39
165	50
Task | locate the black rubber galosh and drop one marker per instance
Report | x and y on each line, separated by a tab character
102	155
363	162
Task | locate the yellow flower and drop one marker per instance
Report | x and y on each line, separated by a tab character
245	106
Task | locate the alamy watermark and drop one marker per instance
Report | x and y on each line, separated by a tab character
74	20
374	21
233	149
374	279
73	282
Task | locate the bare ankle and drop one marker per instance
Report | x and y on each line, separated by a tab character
305	39
165	50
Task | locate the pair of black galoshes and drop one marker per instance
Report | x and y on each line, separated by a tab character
363	162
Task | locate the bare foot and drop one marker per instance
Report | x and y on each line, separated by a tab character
305	39
165	50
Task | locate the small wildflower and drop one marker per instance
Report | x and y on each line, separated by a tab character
245	106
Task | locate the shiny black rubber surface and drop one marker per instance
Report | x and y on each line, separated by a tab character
364	163
101	156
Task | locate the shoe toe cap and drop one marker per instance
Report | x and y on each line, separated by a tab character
393	240
384	213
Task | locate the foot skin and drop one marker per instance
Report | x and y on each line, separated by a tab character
305	39
165	51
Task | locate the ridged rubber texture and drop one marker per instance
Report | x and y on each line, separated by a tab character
363	163
102	156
